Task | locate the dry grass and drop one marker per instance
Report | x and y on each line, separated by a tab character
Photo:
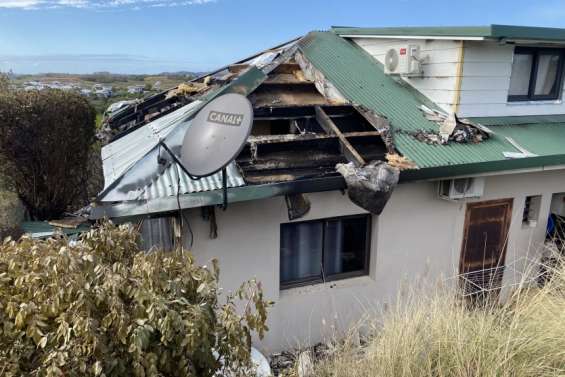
439	336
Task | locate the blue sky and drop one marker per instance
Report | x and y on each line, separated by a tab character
149	36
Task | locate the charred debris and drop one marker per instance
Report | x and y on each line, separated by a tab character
303	129
451	129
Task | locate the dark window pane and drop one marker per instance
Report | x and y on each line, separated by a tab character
546	79
345	245
301	251
157	234
520	76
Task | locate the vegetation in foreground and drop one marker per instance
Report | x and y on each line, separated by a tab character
101	307
46	148
440	336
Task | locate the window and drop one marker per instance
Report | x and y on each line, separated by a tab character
324	250
157	233
536	74
531	210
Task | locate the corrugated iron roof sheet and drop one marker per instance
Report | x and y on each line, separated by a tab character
361	79
167	183
119	155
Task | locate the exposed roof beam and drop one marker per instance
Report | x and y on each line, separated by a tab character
329	126
271	139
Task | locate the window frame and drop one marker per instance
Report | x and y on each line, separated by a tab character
532	209
340	276
536	52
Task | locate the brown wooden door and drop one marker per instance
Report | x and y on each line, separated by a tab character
484	246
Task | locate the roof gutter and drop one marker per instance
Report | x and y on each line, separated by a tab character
258	192
210	198
459	38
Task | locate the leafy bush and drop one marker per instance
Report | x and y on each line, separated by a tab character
45	143
102	308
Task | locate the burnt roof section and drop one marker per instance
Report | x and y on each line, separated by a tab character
135	115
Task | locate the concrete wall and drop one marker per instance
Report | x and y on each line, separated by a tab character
417	237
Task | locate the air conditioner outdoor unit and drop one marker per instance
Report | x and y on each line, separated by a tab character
454	189
404	61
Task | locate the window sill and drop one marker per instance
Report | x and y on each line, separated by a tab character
530	103
529	224
359	281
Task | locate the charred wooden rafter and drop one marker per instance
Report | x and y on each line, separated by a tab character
329	126
381	124
269	139
340	133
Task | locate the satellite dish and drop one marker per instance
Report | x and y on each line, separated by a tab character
217	135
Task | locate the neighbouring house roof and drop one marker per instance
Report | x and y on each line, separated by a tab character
135	183
495	32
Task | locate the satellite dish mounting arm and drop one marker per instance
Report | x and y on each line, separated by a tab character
183	168
177	161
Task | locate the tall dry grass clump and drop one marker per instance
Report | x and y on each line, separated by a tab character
441	336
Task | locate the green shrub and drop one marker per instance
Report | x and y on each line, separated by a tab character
102	308
45	142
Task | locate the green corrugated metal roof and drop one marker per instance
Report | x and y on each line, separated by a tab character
459	31
524	119
361	79
488	32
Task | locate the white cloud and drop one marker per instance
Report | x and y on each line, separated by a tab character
98	4
21	4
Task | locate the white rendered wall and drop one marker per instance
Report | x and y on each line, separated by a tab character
417	237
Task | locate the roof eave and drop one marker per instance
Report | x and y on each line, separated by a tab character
375	36
211	198
265	191
490	32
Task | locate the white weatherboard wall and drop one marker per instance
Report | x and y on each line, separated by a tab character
416	237
480	87
486	78
441	72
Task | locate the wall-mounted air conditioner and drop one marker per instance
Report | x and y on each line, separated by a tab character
461	188
404	61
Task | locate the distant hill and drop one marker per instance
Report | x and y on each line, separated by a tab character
104	88
106	77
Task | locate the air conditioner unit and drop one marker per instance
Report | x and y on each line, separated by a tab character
454	189
404	61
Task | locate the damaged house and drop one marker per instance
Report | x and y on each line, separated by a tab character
377	156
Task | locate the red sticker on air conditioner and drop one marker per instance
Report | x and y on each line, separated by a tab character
402	51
